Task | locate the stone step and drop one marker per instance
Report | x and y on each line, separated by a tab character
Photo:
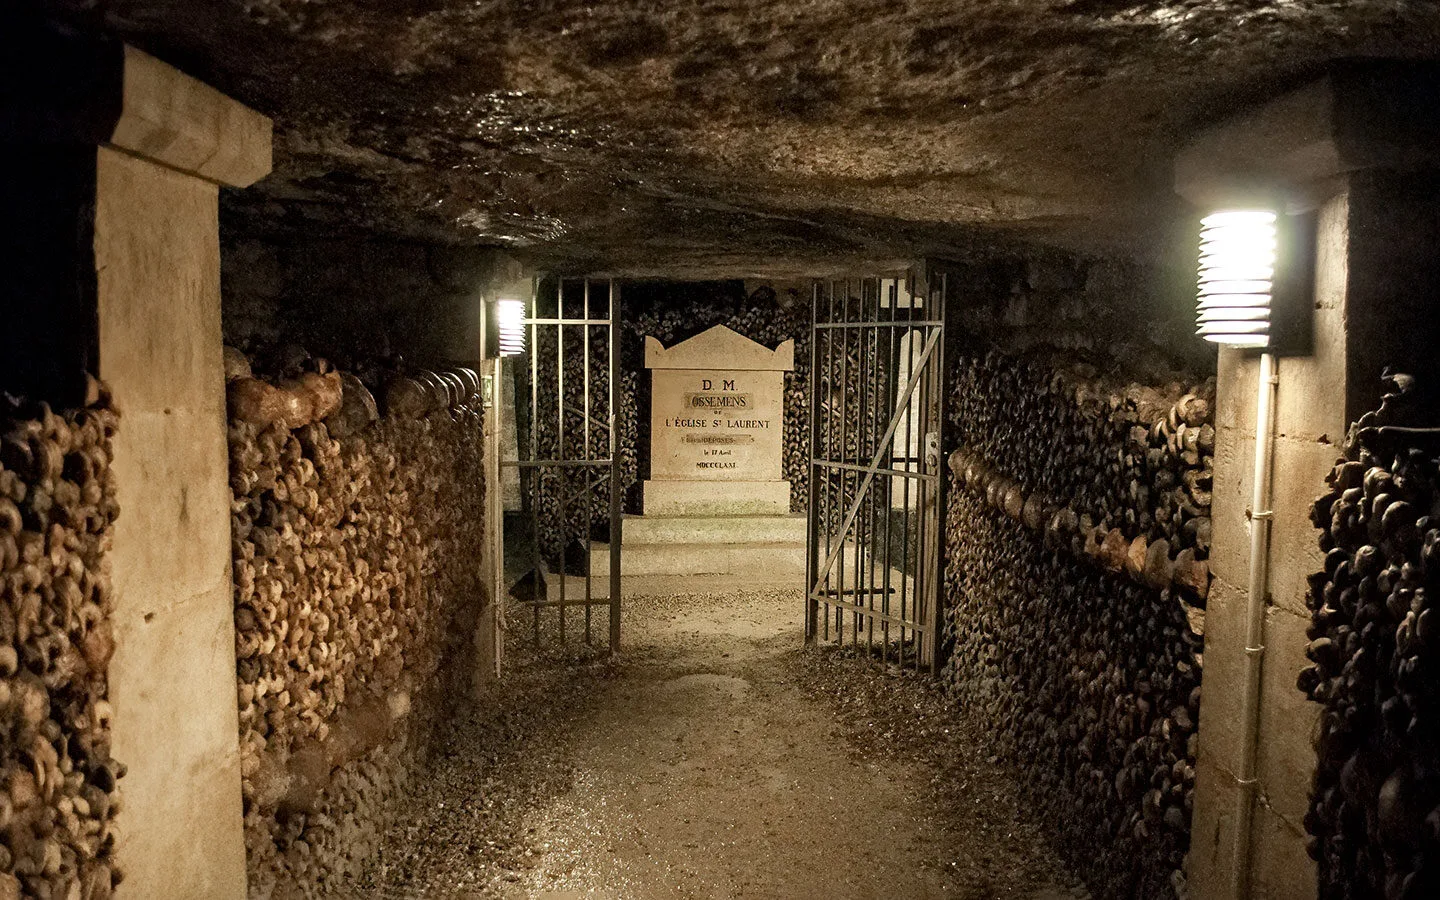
641	530
783	562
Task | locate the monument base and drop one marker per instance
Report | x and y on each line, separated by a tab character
755	550
717	498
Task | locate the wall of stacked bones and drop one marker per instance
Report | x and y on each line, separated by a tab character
357	537
58	796
1374	819
1077	546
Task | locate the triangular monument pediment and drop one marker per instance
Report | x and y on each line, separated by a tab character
720	347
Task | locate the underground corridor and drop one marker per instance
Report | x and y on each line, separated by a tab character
719	449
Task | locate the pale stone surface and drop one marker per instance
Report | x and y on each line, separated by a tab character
1287	718
719	348
1212	829
1282	868
1224	673
717	426
173	676
786	529
715	498
181	123
1310	422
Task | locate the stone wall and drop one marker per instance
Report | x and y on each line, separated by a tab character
361	301
57	509
1077	545
357	542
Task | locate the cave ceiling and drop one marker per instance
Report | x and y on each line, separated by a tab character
736	135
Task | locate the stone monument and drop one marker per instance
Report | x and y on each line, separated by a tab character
717	435
716	502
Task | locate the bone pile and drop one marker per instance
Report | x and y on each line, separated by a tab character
1374	818
1078	534
356	546
58	796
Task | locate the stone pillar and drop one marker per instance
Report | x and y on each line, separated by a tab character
154	155
1325	149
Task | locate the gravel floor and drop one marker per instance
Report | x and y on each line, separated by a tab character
713	759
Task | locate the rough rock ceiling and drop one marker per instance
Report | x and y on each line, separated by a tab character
732	135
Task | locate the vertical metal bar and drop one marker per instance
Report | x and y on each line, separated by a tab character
561	472
812	505
616	521
830	444
862	431
844	454
908	342
889	392
866	450
589	480
536	473
942	480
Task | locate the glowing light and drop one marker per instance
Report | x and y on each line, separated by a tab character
1237	274
510	323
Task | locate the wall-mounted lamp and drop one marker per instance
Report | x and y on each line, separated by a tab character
509	328
1237	276
1239	254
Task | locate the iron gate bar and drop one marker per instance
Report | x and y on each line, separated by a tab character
591	467
871	470
897	473
848	397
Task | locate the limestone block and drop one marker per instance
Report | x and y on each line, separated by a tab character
174	120
1224	675
180	825
1286	760
1212	829
1282	868
717	498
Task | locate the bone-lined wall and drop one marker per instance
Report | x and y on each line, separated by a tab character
1077	545
357	542
58	795
1374	817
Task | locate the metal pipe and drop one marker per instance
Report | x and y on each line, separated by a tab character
1260	517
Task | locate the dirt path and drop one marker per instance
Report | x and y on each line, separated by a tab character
701	767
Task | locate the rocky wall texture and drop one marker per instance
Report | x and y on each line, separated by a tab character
1078	533
357	542
58	796
365	302
1374	818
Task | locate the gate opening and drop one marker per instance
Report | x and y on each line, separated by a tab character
563	533
877	485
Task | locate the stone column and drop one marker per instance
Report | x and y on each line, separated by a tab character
1325	148
159	145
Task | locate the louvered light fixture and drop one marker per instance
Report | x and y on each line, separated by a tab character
1237	276
510	326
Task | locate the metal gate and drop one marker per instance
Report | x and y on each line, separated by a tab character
569	473
877	483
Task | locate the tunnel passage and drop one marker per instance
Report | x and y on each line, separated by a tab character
263	597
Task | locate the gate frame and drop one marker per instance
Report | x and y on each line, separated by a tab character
928	376
611	322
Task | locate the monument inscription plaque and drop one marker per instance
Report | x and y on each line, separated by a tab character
717	426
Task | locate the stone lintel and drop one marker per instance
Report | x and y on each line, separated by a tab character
65	87
172	119
1362	115
720	348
